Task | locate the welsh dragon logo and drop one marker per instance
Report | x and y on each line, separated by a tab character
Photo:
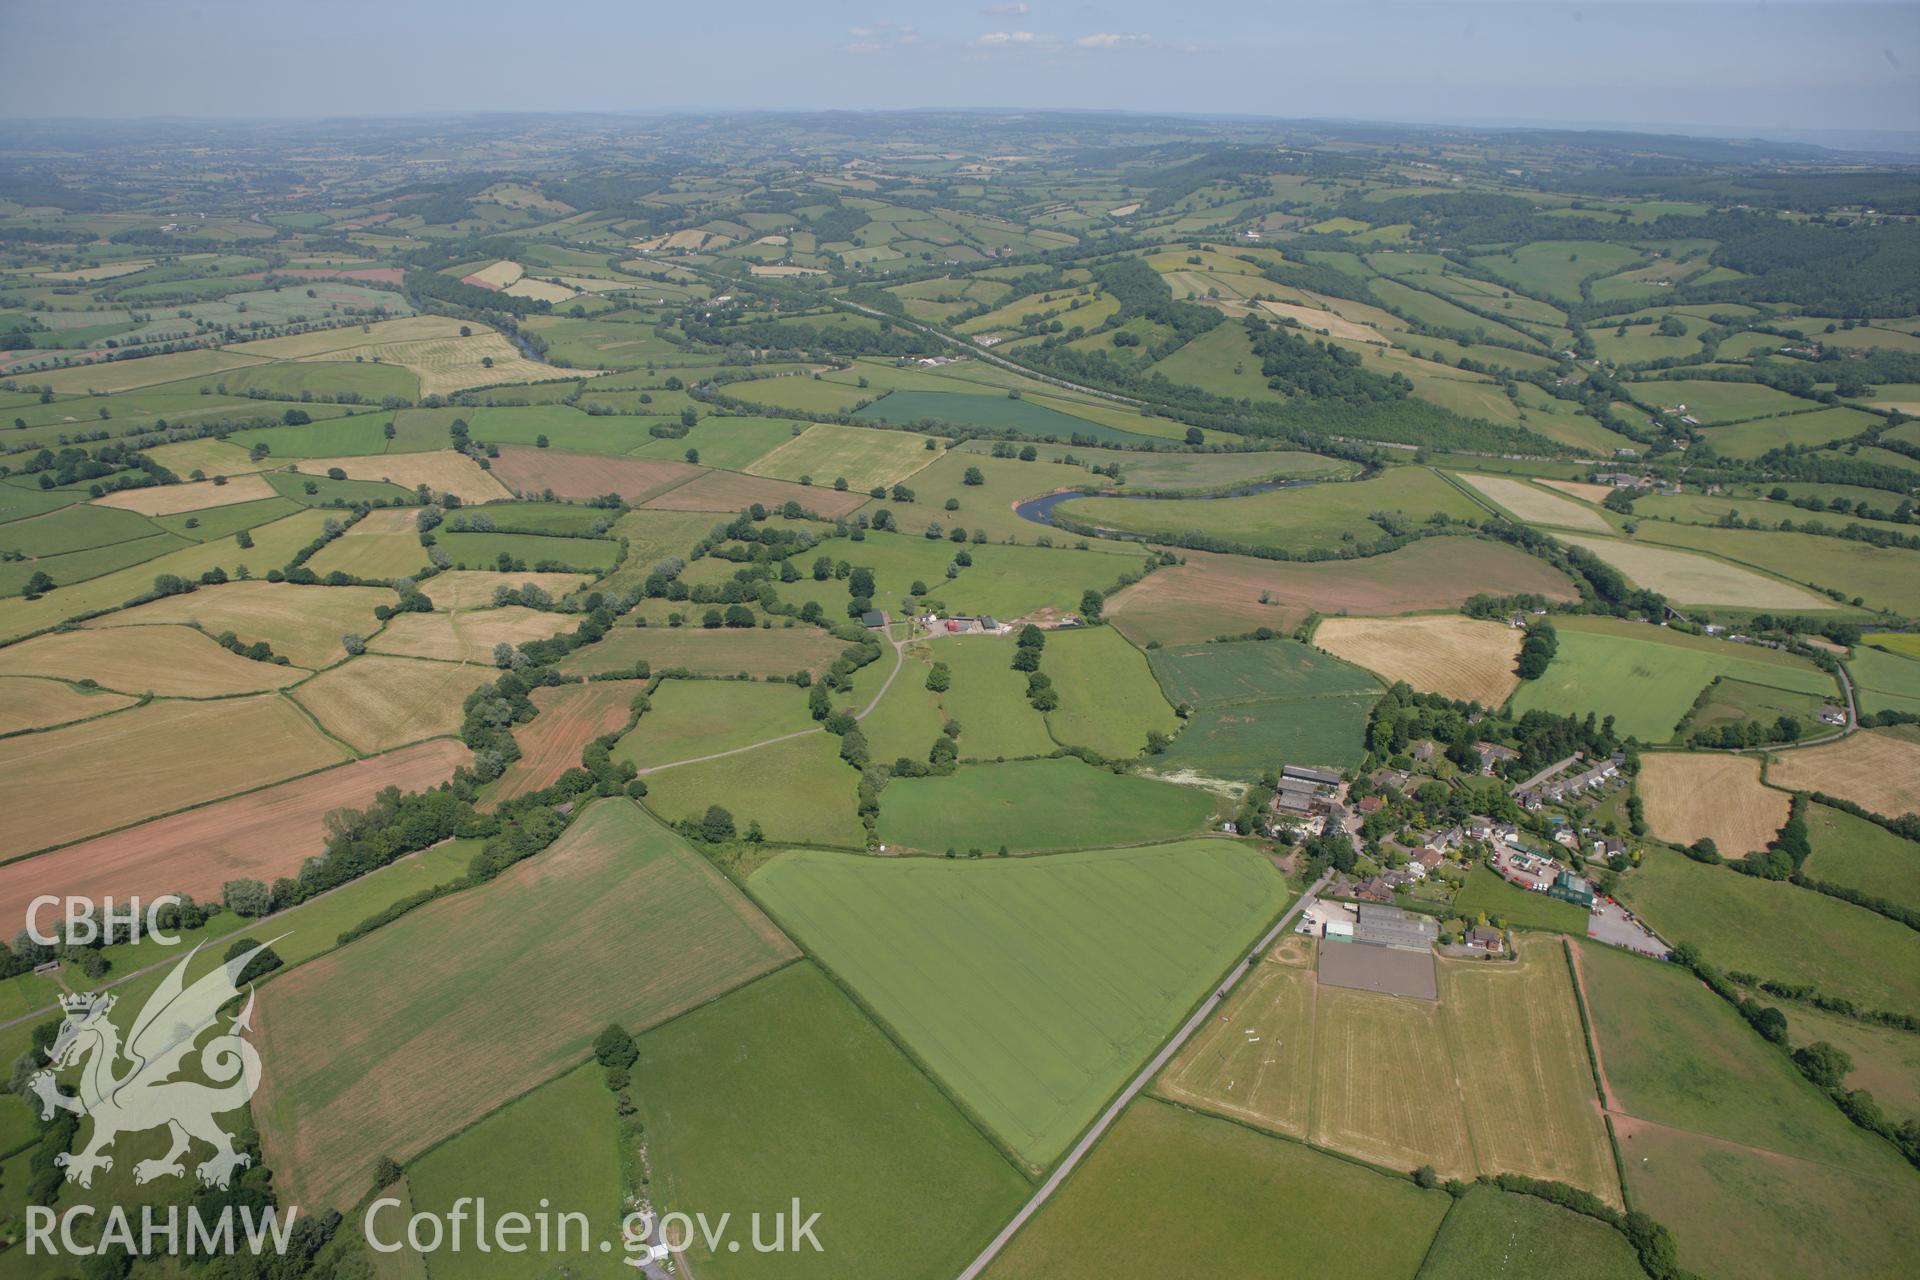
138	1085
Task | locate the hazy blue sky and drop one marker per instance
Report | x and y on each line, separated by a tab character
1726	64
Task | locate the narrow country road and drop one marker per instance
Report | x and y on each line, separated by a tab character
1139	1082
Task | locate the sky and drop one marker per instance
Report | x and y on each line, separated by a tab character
1724	66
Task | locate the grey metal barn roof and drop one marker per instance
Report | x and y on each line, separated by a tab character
1392	927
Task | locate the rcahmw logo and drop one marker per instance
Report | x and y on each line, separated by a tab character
134	1085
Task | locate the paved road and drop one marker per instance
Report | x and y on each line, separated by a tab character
1127	1095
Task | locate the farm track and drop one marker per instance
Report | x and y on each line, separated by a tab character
1140	1081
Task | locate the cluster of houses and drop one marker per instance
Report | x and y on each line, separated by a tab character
1549	786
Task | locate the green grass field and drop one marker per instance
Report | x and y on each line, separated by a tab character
1647	678
783	1089
987	696
799	791
1515	907
558	1146
483	550
81	527
1883	681
1032	987
691	718
1884	577
335	438
1036	804
1779	930
862	456
1004	582
1886	1060
730	443
1317	517
1259	704
1862	855
1490	1235
1225	1201
995	413
1109	700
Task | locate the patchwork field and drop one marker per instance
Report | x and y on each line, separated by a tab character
580	476
443	472
31	703
1165	1182
1529	503
1686	578
1263	703
784	1088
730	491
702	651
799	791
168	499
1720	797
1876	770
261	835
1779	930
468	636
1109	700
375	703
1461	658
1749	1163
1647	678
570	716
1208	595
1032	987
862	456
171	661
1031	805
86	778
618	922
690	718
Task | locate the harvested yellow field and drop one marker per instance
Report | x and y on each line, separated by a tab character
1720	797
79	781
1325	322
147	371
27	703
1383	1082
1535	506
538	290
780	241
209	457
170	499
450	364
1463	658
376	703
1880	771
1594	493
466	637
443	471
498	276
166	660
106	271
1253	1061
1521	1055
304	624
765	269
304	346
474	588
381	557
1686	578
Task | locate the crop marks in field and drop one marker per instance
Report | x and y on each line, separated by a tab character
1718	797
1258	704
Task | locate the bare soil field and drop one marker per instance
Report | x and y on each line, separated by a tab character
468	636
474	588
261	835
571	716
732	491
443	471
302	624
168	499
27	703
620	921
580	476
1696	579
376	703
171	661
1208	594
1534	506
722	653
68	783
1880	771
1717	796
1463	658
